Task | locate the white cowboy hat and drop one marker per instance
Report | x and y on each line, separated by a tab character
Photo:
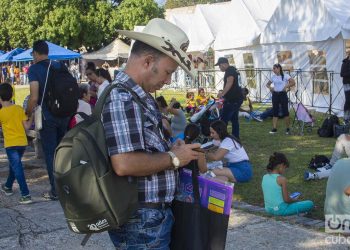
167	38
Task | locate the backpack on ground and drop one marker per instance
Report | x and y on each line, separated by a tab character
318	161
62	92
327	128
341	129
93	197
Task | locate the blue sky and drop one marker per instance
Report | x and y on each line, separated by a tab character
160	2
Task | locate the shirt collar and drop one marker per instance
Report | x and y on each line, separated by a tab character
126	80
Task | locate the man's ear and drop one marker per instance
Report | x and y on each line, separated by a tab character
148	61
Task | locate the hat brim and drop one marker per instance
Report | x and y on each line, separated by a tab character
165	47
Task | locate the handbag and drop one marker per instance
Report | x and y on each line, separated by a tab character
38	115
196	227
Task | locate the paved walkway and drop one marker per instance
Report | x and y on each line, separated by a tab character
41	225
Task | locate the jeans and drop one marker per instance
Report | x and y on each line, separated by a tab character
285	209
230	114
147	229
14	155
242	171
51	134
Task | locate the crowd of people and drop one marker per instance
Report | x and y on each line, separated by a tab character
155	151
14	74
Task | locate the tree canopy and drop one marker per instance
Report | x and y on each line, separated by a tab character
71	23
170	4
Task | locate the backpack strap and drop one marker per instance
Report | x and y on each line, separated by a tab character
102	100
47	76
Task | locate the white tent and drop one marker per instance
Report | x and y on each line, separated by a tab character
244	24
200	23
305	35
113	51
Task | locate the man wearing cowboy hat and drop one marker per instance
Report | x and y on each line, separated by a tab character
137	147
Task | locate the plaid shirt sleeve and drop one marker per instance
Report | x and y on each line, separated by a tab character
122	123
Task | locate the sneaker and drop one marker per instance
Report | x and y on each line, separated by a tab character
287	131
273	131
257	118
309	176
49	196
7	191
25	199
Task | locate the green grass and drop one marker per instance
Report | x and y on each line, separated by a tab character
259	145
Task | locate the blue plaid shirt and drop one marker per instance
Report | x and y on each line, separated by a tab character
122	121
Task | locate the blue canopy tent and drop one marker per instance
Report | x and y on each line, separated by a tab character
55	53
9	55
2	52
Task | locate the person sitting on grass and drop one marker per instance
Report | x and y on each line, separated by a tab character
338	189
192	132
14	122
238	168
246	109
342	147
274	185
201	99
190	103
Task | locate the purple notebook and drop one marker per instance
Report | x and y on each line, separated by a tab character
214	195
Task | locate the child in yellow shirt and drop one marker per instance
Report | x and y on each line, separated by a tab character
14	122
201	99
190	103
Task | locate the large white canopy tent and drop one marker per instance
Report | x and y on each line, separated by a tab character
305	35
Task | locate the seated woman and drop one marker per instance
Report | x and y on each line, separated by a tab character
246	109
238	167
178	120
338	189
274	185
341	148
201	99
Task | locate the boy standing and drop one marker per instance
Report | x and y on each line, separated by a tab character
14	122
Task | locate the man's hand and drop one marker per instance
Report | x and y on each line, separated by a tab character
185	152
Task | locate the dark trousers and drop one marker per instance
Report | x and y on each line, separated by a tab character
230	114
280	99
51	134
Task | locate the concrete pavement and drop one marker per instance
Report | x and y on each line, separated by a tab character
41	225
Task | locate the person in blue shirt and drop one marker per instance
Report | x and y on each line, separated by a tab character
54	127
274	185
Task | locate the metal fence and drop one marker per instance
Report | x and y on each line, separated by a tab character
318	89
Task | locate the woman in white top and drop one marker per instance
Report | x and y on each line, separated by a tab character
103	79
238	168
278	85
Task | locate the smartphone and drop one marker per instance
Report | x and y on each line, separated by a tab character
207	145
295	195
201	150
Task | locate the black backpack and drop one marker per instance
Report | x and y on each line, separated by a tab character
93	197
62	92
318	161
327	128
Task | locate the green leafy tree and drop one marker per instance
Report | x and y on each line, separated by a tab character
136	12
71	23
63	26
